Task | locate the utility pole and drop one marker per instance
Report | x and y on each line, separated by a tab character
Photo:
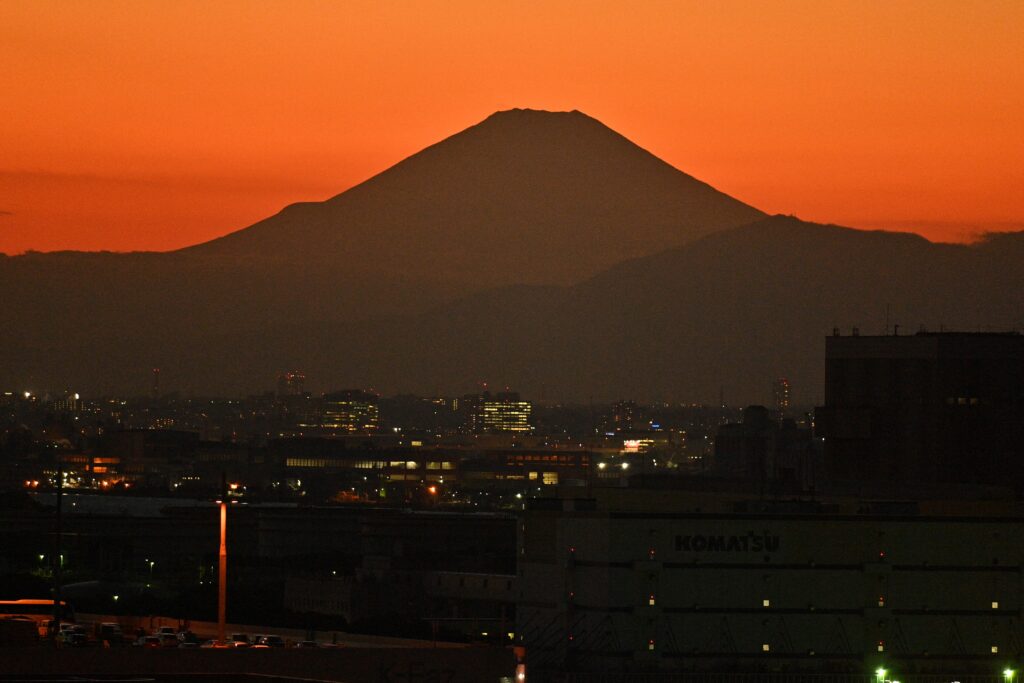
57	555
222	575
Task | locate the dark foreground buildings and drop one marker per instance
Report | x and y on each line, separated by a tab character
905	555
699	582
932	407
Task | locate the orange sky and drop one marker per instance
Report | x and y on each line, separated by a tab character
158	124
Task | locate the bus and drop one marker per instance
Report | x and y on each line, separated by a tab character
39	611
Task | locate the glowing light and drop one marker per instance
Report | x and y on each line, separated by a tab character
880	673
602	465
625	465
432	490
1008	674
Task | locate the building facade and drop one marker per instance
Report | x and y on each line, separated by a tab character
492	413
931	407
351	411
823	591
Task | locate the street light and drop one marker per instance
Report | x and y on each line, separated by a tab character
880	674
1008	675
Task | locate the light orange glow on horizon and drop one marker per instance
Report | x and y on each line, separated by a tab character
157	125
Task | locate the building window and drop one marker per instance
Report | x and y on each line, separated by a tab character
765	647
995	649
766	603
995	604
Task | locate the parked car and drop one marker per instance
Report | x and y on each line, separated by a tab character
271	641
148	641
188	637
217	644
76	639
110	632
239	640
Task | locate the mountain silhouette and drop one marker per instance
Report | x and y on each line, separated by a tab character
523	197
727	312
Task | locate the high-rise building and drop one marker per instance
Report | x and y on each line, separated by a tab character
290	383
625	416
781	397
930	407
501	412
69	403
352	411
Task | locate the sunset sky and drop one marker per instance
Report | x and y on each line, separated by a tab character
155	125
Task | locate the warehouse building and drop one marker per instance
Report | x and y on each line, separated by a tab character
726	585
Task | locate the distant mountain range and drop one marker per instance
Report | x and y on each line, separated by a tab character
536	250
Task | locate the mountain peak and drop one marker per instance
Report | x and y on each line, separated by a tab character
526	112
524	196
539	119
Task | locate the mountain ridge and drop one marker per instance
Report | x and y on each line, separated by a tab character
725	313
553	255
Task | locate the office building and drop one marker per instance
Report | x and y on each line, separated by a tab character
291	383
501	412
781	397
930	407
625	416
351	411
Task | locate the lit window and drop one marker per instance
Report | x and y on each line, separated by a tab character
650	644
765	647
881	646
995	649
766	603
650	600
995	604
